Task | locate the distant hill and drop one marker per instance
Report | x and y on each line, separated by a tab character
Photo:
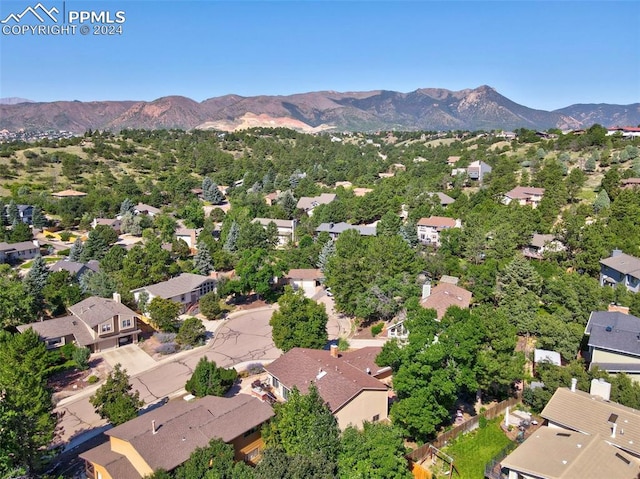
14	100
423	109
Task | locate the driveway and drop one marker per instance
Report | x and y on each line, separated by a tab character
244	337
131	357
338	325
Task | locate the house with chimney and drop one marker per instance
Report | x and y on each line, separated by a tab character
346	384
524	196
429	229
444	295
613	341
165	437
620	268
286	229
585	436
96	323
186	289
113	223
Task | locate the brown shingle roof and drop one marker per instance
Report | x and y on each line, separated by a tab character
365	358
337	380
524	192
304	274
116	464
59	327
438	222
182	284
182	426
309	202
589	414
95	310
445	295
68	194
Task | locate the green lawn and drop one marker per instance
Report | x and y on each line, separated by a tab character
472	451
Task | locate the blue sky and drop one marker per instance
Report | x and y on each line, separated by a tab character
542	54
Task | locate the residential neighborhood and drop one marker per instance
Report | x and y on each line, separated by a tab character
149	332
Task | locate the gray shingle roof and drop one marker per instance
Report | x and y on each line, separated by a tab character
95	310
116	464
183	284
338	228
278	223
614	331
624	263
309	202
59	327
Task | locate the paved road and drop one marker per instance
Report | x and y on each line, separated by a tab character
245	337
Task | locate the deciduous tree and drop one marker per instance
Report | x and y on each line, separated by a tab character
299	322
115	400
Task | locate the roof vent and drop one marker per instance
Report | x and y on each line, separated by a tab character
321	374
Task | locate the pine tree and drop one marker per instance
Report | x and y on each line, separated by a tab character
211	192
38	219
127	206
328	249
232	238
3	214
518	294
35	281
602	201
12	214
114	400
409	233
206	188
202	260
288	203
76	250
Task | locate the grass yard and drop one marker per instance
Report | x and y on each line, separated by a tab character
472	451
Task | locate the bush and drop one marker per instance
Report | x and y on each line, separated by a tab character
167	348
255	368
210	380
209	305
343	344
482	422
377	329
92	379
81	358
65	235
192	332
165	337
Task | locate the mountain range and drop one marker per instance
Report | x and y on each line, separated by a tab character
482	108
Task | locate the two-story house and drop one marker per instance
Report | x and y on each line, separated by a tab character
620	268
335	229
286	229
96	323
165	437
186	289
308	203
429	229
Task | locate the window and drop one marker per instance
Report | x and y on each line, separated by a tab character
252	455
376	418
250	431
105	328
285	393
274	382
126	323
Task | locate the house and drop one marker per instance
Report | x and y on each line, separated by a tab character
364	359
96	323
142	209
75	268
188	235
165	437
545	356
540	244
272	198
444	295
477	170
308	203
620	268
361	191
445	200
398	330
614	341
429	229
353	395
69	194
629	183
113	223
507	135
335	229
452	160
25	213
186	289
306	280
586	435
286	229
524	195
625	131
14	252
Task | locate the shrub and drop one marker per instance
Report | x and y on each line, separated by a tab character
377	329
210	380
343	344
65	235
255	368
68	350
49	236
92	379
165	337
482	422
167	348
81	358
192	332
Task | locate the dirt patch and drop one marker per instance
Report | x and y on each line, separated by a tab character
70	382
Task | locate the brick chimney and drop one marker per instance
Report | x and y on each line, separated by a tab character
334	350
616	308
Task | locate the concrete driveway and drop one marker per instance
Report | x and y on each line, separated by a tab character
338	325
131	357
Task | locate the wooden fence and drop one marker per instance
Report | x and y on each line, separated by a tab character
443	439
